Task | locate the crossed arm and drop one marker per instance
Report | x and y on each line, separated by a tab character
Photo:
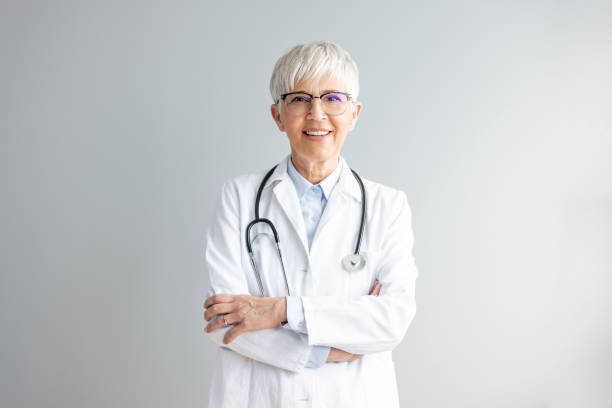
248	313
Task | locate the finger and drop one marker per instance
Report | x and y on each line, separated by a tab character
217	323
234	332
220	298
343	356
331	357
217	309
373	287
232	318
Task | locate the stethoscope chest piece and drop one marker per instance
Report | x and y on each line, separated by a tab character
353	262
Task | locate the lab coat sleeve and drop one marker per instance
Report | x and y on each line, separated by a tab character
296	321
280	347
369	324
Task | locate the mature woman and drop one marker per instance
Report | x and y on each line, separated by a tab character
311	271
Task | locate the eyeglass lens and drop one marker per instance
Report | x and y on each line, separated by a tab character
332	103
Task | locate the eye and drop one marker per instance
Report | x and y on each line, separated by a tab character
299	98
335	98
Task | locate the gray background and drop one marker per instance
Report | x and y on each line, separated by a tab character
121	119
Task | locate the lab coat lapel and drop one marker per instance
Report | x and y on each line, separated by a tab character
346	190
284	191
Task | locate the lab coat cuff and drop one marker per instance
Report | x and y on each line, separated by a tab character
295	314
318	356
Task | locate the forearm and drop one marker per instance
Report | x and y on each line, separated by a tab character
278	347
271	344
358	325
295	321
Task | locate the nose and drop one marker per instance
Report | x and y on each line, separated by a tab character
316	109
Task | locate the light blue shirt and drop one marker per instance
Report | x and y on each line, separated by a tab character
313	199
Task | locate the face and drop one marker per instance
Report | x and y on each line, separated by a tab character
308	148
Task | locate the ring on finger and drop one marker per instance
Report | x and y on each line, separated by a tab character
225	323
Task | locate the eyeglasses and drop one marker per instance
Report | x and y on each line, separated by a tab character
299	103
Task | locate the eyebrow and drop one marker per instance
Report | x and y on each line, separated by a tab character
324	92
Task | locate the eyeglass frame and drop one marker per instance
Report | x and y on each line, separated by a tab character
349	97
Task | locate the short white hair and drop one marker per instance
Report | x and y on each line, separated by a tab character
311	61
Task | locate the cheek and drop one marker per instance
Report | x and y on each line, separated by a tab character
343	124
340	139
295	128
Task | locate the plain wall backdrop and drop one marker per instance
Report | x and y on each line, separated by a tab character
120	120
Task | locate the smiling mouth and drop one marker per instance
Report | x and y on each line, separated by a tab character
316	133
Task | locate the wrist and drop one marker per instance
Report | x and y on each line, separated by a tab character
281	308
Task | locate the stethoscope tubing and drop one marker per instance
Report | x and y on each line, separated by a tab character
363	211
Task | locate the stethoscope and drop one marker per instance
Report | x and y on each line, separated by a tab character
351	262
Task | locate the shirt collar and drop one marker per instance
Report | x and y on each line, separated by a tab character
302	185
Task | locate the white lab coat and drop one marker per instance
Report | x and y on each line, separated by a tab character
265	368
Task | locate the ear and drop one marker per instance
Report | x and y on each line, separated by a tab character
356	110
276	116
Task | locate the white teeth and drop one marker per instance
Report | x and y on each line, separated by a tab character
318	133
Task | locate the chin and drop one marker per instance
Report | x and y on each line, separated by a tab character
320	156
315	153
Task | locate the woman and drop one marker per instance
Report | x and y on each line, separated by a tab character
302	324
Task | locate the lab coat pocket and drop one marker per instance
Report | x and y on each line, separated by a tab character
362	280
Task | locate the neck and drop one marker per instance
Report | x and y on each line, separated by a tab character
314	171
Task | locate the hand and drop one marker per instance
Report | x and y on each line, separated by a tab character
337	355
375	291
244	312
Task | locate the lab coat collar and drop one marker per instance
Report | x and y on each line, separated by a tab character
302	185
347	183
285	193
